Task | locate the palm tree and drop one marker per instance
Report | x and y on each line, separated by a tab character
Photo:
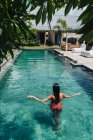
62	25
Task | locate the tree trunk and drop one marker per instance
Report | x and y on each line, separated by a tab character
49	25
61	41
66	42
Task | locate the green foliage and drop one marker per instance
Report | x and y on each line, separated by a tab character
46	9
15	15
44	15
38	16
62	23
86	17
32	39
87	22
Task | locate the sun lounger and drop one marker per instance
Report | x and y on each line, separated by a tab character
88	53
79	50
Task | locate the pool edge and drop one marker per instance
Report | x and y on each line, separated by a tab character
7	64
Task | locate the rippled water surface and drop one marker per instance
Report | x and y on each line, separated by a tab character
34	73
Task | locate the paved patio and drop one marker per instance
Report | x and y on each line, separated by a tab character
81	60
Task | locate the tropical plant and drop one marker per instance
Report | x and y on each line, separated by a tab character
13	16
32	39
62	25
86	18
48	7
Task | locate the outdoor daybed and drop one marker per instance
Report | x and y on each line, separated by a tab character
88	53
79	50
70	47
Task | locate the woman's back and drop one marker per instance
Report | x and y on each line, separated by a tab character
61	96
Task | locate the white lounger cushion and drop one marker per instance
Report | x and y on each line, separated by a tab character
79	50
88	53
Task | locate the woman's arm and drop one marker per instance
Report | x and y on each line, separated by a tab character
39	100
66	96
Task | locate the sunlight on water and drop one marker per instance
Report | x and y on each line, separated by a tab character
34	74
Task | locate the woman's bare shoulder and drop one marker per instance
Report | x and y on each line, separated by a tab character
62	94
52	96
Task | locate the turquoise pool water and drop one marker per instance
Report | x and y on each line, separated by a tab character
34	73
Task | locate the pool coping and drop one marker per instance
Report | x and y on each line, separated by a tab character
7	64
4	67
73	61
37	49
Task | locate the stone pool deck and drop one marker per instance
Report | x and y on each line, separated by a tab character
81	60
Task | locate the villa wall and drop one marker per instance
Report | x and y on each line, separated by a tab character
53	37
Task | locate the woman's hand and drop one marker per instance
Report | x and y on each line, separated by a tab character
39	100
76	94
29	96
66	96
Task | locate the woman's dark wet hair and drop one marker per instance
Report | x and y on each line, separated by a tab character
56	91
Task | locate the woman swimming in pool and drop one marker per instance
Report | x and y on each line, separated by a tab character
55	104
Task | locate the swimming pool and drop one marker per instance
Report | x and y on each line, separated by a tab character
34	72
